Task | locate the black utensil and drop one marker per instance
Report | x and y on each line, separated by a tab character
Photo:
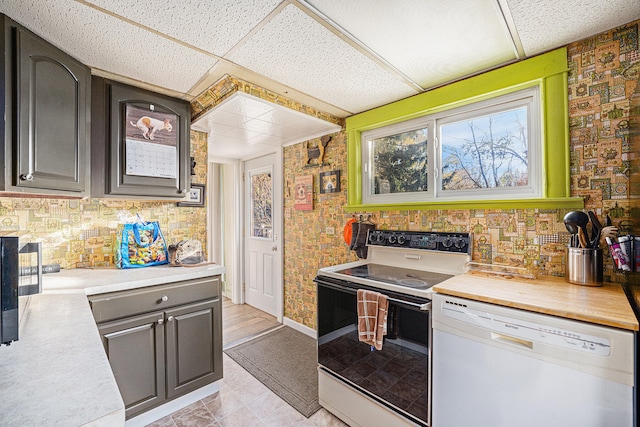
607	221
572	228
596	228
577	218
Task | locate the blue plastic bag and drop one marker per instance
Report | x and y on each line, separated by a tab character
140	244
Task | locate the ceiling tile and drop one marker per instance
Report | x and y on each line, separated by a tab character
431	42
105	42
212	26
547	24
296	50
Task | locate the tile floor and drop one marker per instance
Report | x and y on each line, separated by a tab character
244	401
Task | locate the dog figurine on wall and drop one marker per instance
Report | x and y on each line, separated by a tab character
149	126
317	151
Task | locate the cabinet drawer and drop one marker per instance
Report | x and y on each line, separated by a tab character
137	301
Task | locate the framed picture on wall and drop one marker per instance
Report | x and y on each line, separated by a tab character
303	199
196	197
330	182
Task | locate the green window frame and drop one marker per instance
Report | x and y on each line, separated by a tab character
547	72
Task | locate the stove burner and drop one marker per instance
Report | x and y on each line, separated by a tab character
399	276
412	283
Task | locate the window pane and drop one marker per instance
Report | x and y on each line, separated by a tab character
400	162
486	152
261	197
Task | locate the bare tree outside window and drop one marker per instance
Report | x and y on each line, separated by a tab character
490	151
400	162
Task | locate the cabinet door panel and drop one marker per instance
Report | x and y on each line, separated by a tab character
193	336
52	135
135	348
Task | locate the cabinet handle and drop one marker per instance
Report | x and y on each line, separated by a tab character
160	321
170	319
26	177
183	191
164	298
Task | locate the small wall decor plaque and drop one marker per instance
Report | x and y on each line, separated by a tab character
196	196
303	193
315	154
330	182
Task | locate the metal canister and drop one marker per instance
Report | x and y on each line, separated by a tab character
584	266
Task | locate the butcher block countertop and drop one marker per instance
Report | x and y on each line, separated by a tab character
604	305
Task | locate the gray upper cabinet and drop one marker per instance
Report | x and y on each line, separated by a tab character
140	143
46	102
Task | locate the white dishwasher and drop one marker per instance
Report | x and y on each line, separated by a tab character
498	366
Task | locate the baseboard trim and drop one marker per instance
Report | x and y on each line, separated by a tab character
300	327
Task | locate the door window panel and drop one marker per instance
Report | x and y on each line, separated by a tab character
261	202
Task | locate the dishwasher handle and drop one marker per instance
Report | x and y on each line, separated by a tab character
495	336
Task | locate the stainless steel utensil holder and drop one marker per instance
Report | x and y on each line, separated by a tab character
584	266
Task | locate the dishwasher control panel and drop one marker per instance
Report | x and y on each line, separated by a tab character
525	333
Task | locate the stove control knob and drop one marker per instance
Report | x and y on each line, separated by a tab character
372	237
401	239
460	243
447	243
392	239
380	238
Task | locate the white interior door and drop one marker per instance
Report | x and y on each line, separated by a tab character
262	231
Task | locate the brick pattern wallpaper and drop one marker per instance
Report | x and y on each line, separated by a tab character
604	71
78	233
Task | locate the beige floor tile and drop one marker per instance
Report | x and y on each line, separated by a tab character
267	405
241	417
222	403
285	416
324	418
200	417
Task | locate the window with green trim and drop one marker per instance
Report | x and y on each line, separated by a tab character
496	140
486	148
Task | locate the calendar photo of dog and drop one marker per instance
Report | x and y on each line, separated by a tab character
143	124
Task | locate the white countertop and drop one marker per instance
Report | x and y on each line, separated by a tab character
57	373
92	281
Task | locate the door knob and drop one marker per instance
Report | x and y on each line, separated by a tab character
274	248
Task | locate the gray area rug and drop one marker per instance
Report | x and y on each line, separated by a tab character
284	360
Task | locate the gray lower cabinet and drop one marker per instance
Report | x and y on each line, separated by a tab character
162	354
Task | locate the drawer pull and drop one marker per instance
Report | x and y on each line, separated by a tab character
170	319
160	321
164	298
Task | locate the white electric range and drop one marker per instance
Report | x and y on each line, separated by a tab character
391	386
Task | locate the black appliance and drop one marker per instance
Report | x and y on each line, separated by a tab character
8	289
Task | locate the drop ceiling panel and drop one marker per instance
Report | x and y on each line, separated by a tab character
548	24
244	125
212	26
294	49
431	42
105	42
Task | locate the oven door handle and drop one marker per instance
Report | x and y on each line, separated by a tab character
423	307
420	306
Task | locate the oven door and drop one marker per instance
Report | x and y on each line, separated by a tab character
398	376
